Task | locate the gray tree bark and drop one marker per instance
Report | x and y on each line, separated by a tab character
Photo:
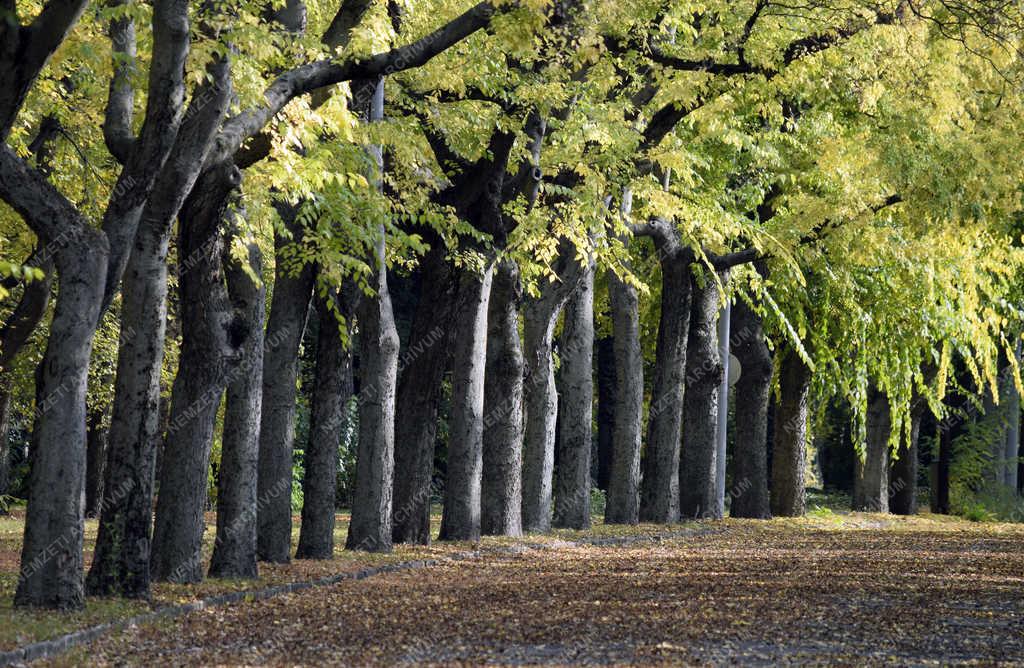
576	401
659	497
539	392
501	487
122	557
234	549
289	306
871	481
51	555
789	439
698	497
210	339
328	418
461	517
370	528
753	391
623	500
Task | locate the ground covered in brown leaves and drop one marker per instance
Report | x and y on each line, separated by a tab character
852	590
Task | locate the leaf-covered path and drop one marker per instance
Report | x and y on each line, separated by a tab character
756	593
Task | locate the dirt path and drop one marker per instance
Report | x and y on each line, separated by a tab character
754	594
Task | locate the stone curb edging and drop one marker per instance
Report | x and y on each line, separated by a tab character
46	649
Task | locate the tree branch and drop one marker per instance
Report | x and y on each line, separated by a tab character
25	52
117	120
311	76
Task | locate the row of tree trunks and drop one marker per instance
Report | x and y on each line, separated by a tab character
575	407
121	562
210	344
332	390
501	487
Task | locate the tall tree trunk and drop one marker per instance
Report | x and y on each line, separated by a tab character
539	391
606	393
941	494
576	402
903	488
753	390
789	440
698	496
51	555
289	306
722	428
501	487
659	500
234	550
207	349
122	559
871	484
370	528
328	418
95	456
419	396
1012	443
623	500
461	517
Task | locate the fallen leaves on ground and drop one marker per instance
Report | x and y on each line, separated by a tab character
805	591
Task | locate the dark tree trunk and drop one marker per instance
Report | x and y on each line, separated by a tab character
871	484
659	499
51	555
576	401
289	306
332	391
753	390
698	495
5	447
623	500
903	488
419	396
234	550
461	516
95	455
942	469
208	339
789	440
501	488
606	393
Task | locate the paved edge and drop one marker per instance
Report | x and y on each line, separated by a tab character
47	649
